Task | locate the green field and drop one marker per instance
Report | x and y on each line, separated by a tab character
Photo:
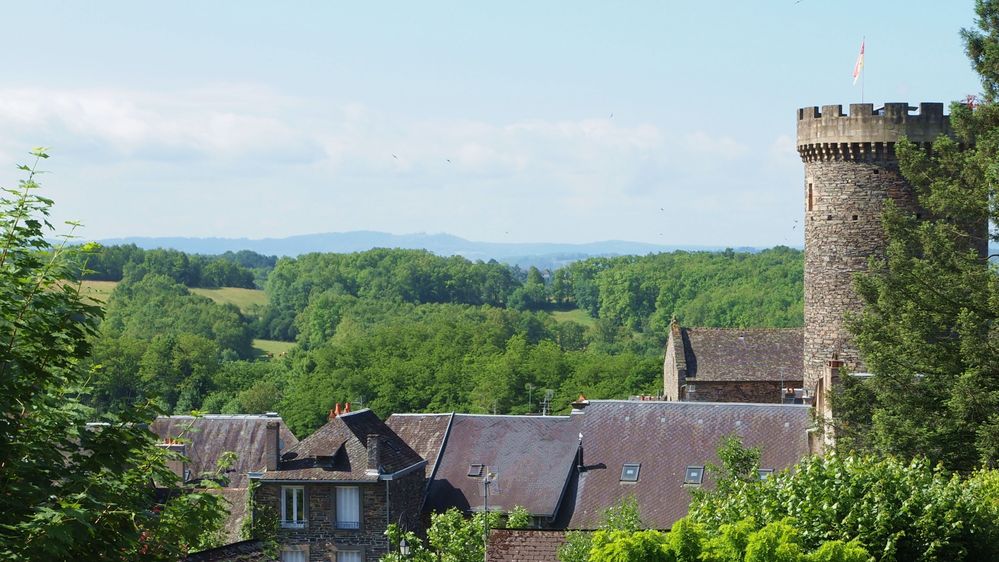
244	299
97	290
273	348
576	315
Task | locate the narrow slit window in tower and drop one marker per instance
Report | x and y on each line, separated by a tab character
809	196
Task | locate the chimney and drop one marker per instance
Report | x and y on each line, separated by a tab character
374	453
346	407
579	404
331	416
272	446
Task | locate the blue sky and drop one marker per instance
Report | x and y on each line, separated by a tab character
663	122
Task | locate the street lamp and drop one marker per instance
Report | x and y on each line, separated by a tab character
404	547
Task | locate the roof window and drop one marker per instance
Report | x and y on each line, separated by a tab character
764	473
475	470
629	472
694	475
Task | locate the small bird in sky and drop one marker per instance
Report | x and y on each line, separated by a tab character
394	156
611	116
448	160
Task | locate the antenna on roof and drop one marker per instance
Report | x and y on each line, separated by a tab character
547	402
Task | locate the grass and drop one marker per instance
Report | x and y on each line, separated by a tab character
576	315
272	347
244	299
97	290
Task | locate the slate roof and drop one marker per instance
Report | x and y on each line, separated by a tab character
756	354
667	437
209	436
532	457
337	451
425	433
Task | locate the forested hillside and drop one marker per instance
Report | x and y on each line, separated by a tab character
406	330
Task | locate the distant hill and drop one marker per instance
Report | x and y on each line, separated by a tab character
541	254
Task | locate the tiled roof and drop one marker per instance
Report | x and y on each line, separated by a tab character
666	438
235	504
338	451
523	545
208	437
757	354
531	456
425	433
244	551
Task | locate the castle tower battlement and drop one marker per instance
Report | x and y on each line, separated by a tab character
850	171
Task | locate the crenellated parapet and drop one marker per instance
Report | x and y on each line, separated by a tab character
866	134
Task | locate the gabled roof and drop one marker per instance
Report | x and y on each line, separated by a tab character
209	437
666	438
531	456
730	354
425	433
338	451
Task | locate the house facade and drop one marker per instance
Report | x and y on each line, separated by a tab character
334	494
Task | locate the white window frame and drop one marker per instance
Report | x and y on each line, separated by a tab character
293	509
340	523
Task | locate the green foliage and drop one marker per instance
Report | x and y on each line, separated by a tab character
115	263
624	517
701	289
69	490
452	537
518	518
929	328
896	510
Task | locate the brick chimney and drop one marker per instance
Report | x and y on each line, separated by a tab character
374	447
272	445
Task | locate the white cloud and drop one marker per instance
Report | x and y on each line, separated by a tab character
257	163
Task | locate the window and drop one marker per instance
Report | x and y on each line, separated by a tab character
349	556
765	473
475	470
348	507
694	475
293	506
296	555
809	196
629	472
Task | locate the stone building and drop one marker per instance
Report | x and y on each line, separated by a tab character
762	365
336	491
851	171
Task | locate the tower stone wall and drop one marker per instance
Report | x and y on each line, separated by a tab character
850	172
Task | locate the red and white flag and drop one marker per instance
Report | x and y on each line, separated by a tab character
860	62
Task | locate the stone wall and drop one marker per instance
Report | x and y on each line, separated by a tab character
758	392
674	365
320	536
406	499
842	232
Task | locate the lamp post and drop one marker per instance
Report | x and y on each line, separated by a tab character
486	481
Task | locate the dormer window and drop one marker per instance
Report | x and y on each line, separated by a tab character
694	475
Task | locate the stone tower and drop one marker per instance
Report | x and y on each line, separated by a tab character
850	171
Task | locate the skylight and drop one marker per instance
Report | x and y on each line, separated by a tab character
694	475
475	470
765	473
629	472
